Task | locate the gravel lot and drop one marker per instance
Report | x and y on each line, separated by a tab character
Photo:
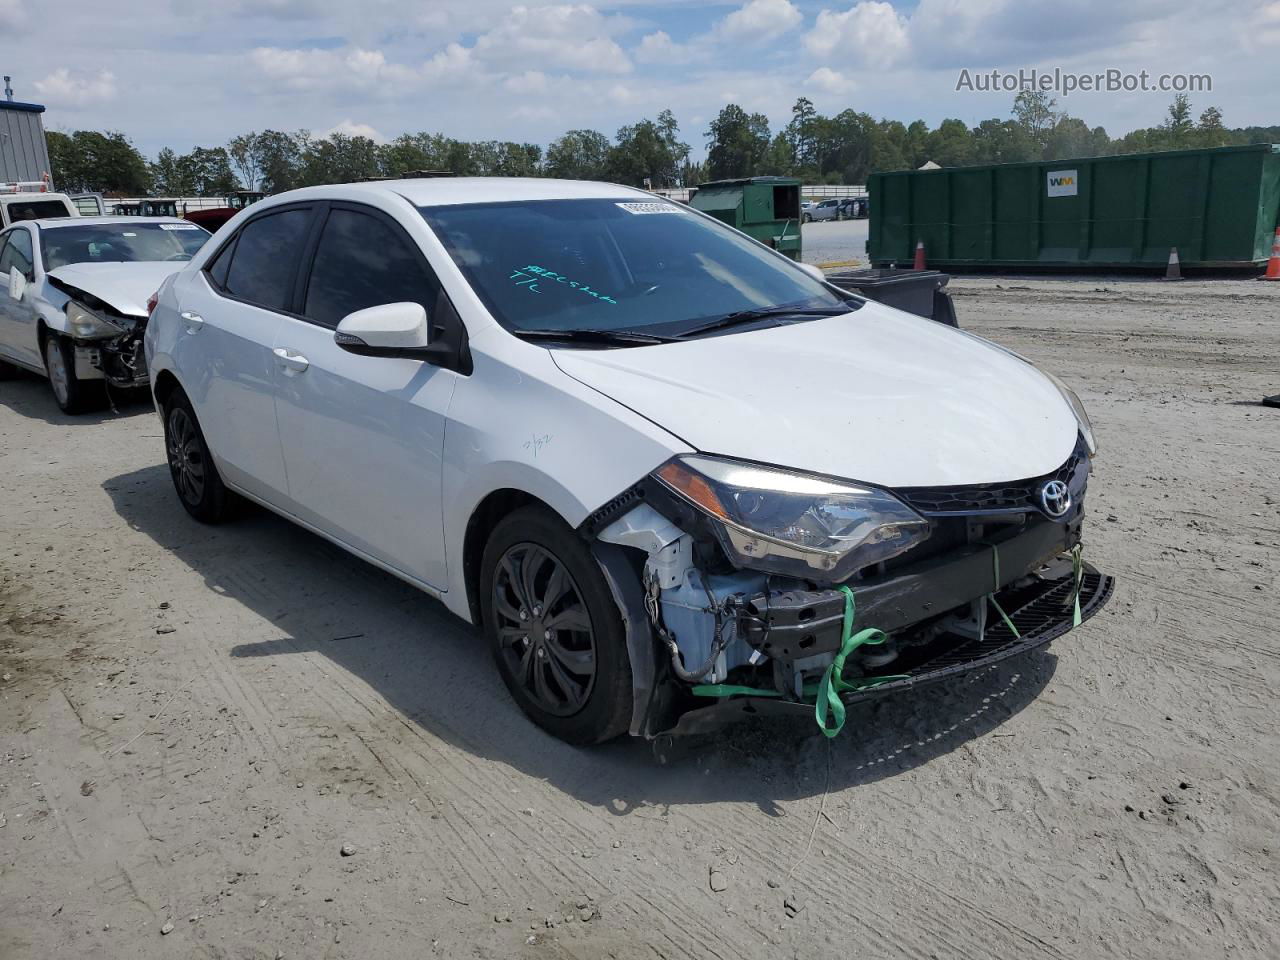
194	721
834	241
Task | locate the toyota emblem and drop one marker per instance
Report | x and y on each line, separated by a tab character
1055	499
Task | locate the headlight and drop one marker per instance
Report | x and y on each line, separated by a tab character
793	524
1082	418
85	324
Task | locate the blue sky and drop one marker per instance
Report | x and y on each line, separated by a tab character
175	73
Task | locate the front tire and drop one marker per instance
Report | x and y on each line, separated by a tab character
556	634
195	478
72	394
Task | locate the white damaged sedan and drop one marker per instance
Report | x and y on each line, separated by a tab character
674	477
74	294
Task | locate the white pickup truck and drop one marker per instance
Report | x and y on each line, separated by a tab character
32	200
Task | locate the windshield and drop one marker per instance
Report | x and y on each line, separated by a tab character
606	265
120	243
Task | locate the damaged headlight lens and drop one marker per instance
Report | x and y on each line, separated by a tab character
793	524
86	324
1082	417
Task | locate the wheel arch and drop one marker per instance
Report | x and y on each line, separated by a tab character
163	385
480	525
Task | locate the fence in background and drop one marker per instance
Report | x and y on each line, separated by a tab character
814	191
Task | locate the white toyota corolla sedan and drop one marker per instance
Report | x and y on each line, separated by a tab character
674	477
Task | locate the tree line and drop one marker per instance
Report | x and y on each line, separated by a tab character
844	148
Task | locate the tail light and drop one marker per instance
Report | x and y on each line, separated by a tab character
151	302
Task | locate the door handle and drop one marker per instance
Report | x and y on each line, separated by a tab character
194	322
292	363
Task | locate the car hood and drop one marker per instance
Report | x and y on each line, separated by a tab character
125	286
876	395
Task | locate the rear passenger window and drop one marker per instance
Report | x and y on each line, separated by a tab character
265	257
364	262
17	253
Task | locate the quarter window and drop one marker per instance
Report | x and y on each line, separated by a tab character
265	257
362	262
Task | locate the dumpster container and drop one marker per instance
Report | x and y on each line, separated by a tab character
922	292
1218	206
766	208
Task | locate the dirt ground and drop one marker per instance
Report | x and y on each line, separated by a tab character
195	721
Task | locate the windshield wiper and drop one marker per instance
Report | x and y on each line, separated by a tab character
761	313
603	337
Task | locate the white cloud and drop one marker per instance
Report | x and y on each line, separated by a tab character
870	32
760	20
658	47
350	128
63	88
531	81
12	15
576	37
830	81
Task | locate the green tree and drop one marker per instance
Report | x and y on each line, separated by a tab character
1210	131
101	161
1071	137
951	145
1178	123
206	171
738	143
801	133
170	177
578	155
338	159
780	159
648	151
1003	141
1034	111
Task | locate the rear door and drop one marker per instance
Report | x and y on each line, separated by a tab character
363	437
231	313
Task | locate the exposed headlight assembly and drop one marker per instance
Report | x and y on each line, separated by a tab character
1082	418
793	524
86	324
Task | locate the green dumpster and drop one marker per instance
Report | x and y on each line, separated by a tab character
766	208
1218	206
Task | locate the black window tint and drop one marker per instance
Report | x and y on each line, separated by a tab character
221	263
17	253
262	268
363	262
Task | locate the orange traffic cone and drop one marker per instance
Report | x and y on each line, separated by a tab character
919	264
1273	265
1174	270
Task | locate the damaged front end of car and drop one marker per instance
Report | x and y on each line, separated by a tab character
752	590
108	342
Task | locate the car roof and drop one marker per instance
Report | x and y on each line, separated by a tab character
53	223
442	191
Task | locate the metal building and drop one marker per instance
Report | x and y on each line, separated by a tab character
24	153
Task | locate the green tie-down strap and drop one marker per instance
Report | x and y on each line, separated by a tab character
833	682
1077	574
828	707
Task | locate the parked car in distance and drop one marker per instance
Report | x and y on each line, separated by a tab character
672	475
851	208
31	201
819	210
73	299
214	217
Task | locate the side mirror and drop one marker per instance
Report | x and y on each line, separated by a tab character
815	272
390	330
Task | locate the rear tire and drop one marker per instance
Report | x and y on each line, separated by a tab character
555	631
72	394
195	478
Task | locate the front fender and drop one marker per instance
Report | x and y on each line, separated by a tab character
520	423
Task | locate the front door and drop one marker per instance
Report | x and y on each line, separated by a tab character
17	300
363	436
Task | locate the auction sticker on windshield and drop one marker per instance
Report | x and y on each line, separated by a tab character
649	207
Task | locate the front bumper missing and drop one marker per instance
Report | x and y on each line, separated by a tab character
1044	614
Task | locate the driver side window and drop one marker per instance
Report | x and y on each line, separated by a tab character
18	253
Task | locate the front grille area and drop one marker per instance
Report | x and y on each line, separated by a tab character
1021	496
